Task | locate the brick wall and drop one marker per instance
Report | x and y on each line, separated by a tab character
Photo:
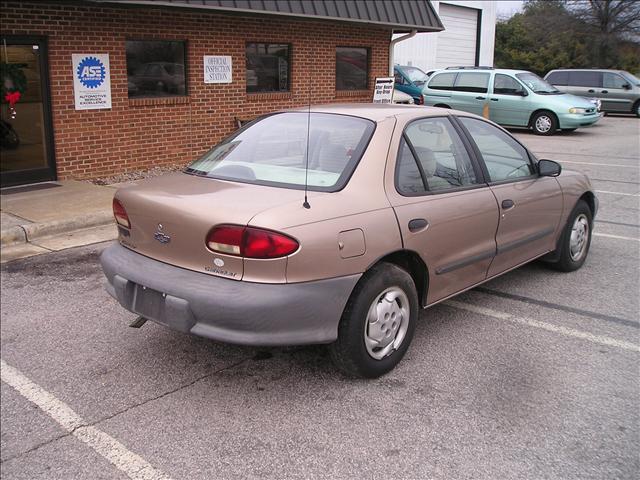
141	133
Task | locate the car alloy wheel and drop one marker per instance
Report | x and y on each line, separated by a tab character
543	124
386	323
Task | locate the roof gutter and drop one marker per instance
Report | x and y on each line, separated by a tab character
393	44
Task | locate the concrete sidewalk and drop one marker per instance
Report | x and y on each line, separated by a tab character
53	216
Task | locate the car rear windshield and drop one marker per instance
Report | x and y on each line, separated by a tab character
273	151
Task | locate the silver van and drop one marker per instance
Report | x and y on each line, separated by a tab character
619	91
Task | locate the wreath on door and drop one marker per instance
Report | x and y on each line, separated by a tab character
14	84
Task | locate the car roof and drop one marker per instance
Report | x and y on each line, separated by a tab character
480	70
375	111
587	70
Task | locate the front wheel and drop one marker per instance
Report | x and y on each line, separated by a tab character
378	322
544	123
576	239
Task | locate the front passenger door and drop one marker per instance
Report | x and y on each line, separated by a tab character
508	104
530	205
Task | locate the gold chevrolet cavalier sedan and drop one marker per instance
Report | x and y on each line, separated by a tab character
337	224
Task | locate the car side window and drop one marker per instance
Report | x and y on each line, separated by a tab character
442	81
505	85
472	82
613	80
432	158
558	78
504	158
585	79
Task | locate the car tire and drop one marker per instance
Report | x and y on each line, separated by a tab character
377	324
544	123
569	129
636	109
442	105
576	239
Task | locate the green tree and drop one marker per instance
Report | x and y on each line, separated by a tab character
570	34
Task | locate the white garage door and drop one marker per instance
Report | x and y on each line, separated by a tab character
457	44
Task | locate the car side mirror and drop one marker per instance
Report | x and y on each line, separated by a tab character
549	168
523	93
626	86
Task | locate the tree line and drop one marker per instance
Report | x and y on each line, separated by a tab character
550	34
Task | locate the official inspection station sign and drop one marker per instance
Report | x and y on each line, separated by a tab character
217	69
91	81
383	92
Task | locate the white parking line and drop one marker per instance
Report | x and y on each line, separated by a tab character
600	164
619	193
569	332
619	237
134	466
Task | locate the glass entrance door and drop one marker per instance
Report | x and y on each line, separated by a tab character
26	146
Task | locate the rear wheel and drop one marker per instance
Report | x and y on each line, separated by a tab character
544	123
576	239
636	109
378	322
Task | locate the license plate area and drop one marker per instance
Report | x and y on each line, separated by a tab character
148	302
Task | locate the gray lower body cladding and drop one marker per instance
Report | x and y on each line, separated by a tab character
226	310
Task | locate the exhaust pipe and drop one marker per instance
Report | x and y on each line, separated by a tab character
138	322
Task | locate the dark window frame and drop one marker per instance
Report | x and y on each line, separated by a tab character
493	86
368	80
289	62
187	73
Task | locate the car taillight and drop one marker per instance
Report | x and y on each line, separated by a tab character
250	242
121	214
420	100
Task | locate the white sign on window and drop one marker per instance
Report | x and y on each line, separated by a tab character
383	92
91	81
217	69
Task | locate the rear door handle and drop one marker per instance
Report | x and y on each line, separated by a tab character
507	204
495	99
481	98
591	91
418	224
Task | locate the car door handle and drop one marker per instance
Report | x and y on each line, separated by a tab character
417	224
605	91
481	98
495	99
591	91
507	204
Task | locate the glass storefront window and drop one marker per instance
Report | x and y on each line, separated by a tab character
268	67
156	68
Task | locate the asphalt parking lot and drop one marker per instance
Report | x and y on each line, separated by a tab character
533	375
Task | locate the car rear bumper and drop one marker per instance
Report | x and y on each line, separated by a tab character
575	120
226	310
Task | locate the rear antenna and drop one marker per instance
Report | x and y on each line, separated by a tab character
306	204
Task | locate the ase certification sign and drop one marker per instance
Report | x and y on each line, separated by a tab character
383	92
91	81
217	69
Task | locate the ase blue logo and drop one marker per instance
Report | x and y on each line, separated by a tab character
91	72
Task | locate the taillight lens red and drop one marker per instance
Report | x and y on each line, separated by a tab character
121	214
250	242
420	100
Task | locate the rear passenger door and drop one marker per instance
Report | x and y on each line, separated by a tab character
585	83
445	210
470	92
530	205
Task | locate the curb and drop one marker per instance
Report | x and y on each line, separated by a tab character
32	231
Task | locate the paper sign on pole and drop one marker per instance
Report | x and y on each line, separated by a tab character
91	81
217	69
383	92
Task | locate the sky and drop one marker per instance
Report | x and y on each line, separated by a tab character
506	8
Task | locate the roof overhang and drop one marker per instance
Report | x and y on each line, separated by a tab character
399	16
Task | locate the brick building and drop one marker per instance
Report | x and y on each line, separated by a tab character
271	55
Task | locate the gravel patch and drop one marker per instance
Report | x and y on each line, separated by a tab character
136	175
